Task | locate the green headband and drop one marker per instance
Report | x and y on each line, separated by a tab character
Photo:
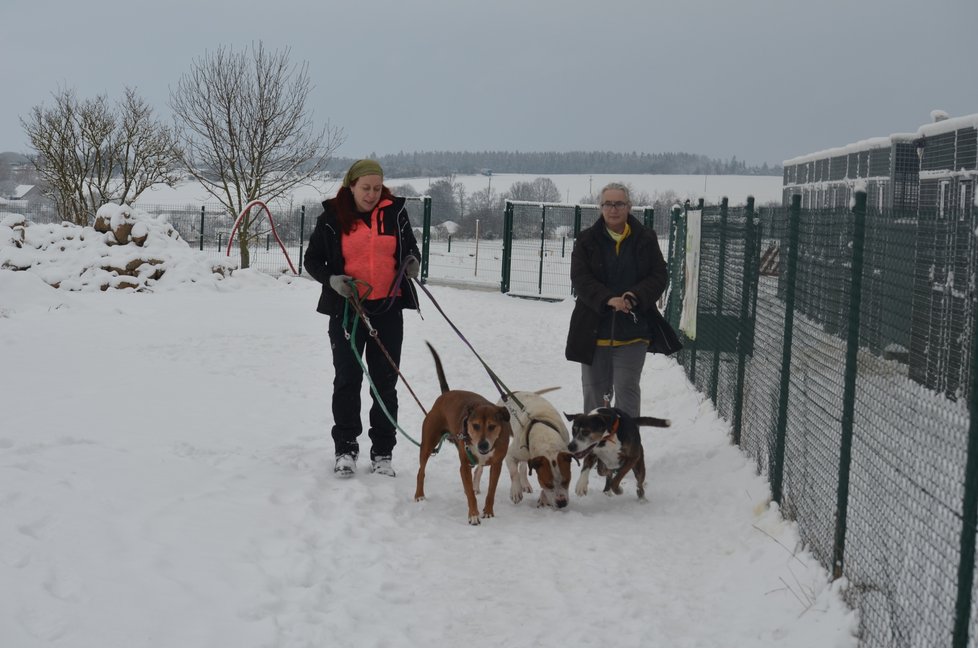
362	168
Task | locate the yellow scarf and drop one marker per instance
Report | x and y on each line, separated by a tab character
618	238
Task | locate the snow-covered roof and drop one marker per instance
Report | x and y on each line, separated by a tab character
927	130
21	190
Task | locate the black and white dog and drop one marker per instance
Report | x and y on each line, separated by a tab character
610	438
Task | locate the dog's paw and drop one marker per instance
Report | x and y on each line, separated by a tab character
419	498
516	494
474	519
488	513
581	488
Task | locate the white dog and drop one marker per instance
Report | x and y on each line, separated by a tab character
539	443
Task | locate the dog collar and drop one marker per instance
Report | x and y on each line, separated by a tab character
613	432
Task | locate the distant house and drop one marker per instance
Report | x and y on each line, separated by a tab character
25	193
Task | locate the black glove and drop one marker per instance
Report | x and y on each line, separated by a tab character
341	284
412	267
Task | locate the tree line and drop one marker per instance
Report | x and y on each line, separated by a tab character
444	163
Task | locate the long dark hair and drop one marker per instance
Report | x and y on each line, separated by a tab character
346	207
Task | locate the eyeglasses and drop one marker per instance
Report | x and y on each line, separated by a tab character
614	205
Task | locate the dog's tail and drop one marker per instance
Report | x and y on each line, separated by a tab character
651	421
441	372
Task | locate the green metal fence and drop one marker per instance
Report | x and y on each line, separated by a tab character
531	258
538	239
840	346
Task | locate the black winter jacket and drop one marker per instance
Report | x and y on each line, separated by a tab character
324	257
590	279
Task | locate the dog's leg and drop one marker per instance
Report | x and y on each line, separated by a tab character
613	484
525	478
544	500
465	471
495	470
422	462
477	479
515	488
581	488
639	472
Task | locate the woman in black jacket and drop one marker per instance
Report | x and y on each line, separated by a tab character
363	242
618	273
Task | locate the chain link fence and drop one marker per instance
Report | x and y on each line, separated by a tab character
839	345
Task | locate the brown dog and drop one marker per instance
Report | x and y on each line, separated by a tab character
480	431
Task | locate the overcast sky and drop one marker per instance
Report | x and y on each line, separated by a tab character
765	80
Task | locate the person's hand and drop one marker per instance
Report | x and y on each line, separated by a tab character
341	284
620	304
412	267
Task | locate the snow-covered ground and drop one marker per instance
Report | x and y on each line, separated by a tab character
166	481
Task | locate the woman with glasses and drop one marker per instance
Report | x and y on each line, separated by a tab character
618	273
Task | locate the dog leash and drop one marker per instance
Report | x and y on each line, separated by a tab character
349	331
504	392
361	314
350	334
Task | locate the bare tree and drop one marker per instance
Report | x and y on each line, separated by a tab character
89	153
540	189
245	130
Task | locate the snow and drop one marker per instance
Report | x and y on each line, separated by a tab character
165	481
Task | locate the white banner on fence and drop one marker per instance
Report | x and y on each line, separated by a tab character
687	319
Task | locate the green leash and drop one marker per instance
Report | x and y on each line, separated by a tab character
351	332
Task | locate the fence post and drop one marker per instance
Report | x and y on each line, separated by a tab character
202	228
425	236
849	382
543	243
721	277
302	234
577	221
674	303
791	273
969	510
507	247
691	344
648	217
749	278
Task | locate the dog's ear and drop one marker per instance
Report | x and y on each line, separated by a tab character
564	461
464	418
569	417
504	414
534	464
